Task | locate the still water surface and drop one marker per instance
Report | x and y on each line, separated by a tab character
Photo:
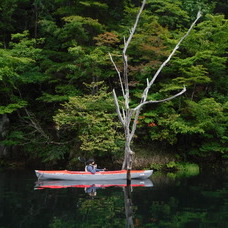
197	201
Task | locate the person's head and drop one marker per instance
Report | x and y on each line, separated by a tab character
92	193
90	161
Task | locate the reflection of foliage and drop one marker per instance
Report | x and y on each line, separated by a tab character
186	202
59	223
102	212
195	206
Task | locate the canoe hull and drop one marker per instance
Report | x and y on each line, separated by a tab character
104	175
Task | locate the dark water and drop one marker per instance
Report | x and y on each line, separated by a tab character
198	201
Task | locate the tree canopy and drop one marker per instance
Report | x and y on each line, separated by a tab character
54	58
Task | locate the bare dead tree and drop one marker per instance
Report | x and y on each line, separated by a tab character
129	116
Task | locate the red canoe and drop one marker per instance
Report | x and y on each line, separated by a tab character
103	175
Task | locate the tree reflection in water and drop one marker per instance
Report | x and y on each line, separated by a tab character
199	201
128	206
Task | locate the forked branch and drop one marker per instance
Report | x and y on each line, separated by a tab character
159	101
145	92
126	114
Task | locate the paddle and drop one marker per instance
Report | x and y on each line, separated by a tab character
82	159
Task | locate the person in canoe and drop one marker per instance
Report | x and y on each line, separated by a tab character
92	167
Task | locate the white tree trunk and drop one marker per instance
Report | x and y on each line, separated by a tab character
129	116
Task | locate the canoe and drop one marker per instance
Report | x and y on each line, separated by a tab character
81	175
57	184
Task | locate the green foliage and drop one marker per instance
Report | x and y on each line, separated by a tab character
54	153
14	138
193	6
11	67
12	107
193	75
23	46
56	47
206	119
200	117
79	29
170	12
93	118
183	169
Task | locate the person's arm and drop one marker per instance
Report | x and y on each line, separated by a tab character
97	170
91	169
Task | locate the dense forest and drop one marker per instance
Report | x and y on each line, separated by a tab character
56	79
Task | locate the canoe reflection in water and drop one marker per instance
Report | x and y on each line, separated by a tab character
90	186
92	190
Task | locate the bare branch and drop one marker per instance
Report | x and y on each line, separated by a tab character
145	93
133	129
124	115
118	72
36	125
147	82
117	107
134	27
128	114
124	40
138	109
125	59
159	101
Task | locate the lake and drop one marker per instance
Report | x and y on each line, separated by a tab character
168	201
